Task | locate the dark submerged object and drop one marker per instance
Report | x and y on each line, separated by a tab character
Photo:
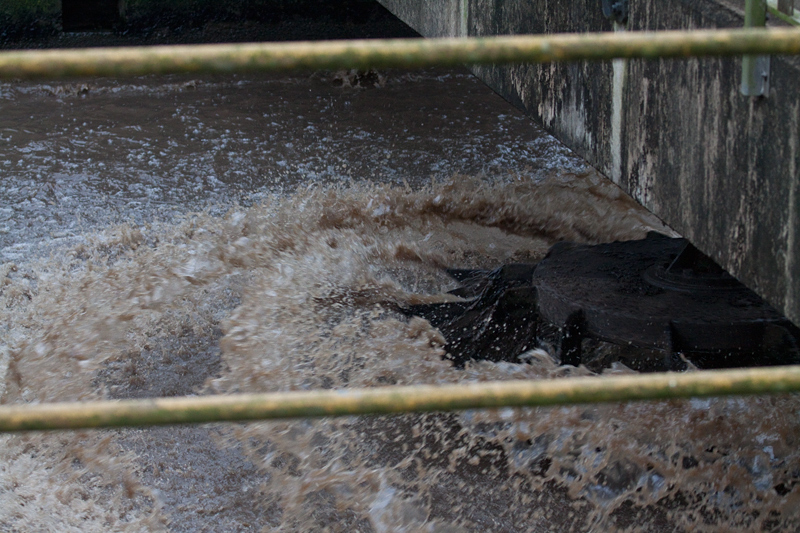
652	304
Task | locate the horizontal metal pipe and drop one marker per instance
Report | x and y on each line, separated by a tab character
417	398
135	61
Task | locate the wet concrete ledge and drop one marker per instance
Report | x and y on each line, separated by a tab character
720	168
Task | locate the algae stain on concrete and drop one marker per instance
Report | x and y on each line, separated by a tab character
792	263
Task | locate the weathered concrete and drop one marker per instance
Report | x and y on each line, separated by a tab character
721	168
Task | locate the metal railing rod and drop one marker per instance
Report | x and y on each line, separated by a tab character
220	58
385	400
755	68
784	10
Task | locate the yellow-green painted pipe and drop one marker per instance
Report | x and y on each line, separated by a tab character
384	400
135	61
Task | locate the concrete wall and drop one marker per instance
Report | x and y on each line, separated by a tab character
720	168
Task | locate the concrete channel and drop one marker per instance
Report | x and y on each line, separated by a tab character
183	235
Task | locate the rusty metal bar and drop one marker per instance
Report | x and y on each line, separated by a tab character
385	400
135	61
755	68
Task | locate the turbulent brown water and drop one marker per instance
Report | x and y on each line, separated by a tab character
173	236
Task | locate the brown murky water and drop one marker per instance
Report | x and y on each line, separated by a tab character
172	236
